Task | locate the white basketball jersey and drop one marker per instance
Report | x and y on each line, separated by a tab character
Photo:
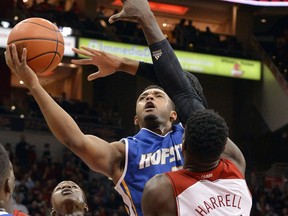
220	192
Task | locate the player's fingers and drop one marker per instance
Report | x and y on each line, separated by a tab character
23	62
93	51
24	55
81	61
7	55
116	17
83	52
15	55
94	76
76	50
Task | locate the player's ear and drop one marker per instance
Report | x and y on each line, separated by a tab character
173	115
9	186
183	143
136	120
86	209
53	212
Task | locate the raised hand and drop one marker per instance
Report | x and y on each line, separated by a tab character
133	10
107	63
139	11
20	67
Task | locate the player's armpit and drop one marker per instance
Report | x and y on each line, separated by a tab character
233	153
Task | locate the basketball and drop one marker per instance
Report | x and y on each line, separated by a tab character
43	41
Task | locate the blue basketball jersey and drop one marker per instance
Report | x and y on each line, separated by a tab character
148	154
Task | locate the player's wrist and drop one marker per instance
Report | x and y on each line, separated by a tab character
33	87
145	19
151	28
129	66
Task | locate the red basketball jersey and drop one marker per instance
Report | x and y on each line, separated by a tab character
222	191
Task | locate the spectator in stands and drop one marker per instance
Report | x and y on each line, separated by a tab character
73	15
101	13
60	13
60	7
284	212
210	39
119	26
75	9
262	206
43	9
10	152
32	156
17	204
112	202
190	34
20	10
178	34
21	152
43	6
47	153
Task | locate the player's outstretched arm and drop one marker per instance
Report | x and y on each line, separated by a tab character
97	153
107	63
166	70
166	65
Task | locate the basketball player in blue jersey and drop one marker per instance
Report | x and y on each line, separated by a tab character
130	162
157	148
165	70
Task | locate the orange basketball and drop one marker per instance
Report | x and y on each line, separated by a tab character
43	40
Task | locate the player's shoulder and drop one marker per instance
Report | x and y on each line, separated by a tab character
119	145
157	183
18	213
178	126
158	192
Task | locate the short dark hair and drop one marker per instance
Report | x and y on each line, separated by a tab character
4	164
206	134
153	86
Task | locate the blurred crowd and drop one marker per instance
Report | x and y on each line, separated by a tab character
101	113
184	36
37	173
272	202
279	52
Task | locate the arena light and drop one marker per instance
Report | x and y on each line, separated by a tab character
161	7
5	24
261	2
65	30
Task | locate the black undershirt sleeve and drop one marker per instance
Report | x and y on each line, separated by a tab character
146	71
167	72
